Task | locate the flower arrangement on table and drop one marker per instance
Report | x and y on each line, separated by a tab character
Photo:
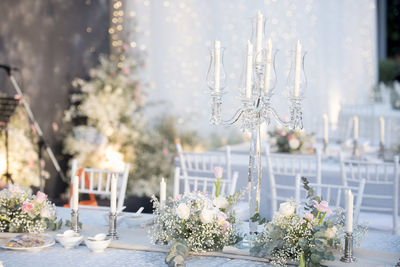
195	222
308	237
21	212
291	141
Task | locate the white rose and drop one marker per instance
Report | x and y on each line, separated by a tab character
207	216
183	211
45	213
221	202
286	209
294	143
330	232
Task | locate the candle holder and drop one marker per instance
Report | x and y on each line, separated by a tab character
356	152
112	226
254	111
348	249
325	148
75	221
381	152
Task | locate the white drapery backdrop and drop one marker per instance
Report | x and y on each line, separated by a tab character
339	36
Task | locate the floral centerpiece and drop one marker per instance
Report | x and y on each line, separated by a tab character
21	212
198	222
292	141
307	237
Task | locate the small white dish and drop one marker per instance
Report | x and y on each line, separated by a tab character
98	243
69	239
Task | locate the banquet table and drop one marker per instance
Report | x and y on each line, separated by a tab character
134	249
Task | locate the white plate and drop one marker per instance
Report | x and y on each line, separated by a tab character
49	242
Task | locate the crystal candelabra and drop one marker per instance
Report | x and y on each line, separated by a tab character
256	108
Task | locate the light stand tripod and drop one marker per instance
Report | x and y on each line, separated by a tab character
7	108
42	143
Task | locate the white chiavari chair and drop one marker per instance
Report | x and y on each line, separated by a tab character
381	184
282	172
203	163
185	184
334	194
98	182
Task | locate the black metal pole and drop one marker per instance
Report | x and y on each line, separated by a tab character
7	174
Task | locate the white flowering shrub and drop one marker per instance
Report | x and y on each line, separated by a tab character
195	219
21	212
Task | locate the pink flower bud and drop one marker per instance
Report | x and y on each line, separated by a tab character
27	207
218	171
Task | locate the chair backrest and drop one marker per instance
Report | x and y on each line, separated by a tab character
334	194
204	184
98	182
287	167
381	184
203	163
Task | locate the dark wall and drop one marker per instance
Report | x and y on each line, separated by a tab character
52	42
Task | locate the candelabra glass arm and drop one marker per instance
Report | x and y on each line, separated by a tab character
234	118
278	119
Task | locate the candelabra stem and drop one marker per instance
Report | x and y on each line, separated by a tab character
112	226
75	221
255	175
348	249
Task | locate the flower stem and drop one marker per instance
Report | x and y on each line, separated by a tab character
321	220
217	187
302	262
316	218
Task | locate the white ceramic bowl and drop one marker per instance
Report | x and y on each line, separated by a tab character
98	245
68	241
135	220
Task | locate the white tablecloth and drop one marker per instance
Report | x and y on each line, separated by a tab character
93	221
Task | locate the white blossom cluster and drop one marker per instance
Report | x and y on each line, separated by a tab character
196	219
285	140
21	212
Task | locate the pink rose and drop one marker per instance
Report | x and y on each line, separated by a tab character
27	207
226	226
126	71
221	217
309	216
291	136
218	171
322	206
40	197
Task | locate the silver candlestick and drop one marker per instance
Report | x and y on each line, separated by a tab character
254	111
348	249
112	226
356	152
381	153
75	221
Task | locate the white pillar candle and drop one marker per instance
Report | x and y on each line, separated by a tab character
349	212
259	36
355	126
75	193
163	191
249	69
217	65
113	199
326	129
297	69
267	78
382	130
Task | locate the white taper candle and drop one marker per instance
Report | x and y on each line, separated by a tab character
75	193
267	78
113	199
355	126
163	191
349	212
259	36
217	65
326	129
382	130
297	69
249	69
